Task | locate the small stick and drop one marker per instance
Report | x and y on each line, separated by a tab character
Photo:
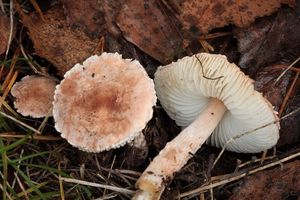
21	186
254	161
2	6
11	15
61	186
35	137
288	94
214	35
287	69
19	122
239	176
108	187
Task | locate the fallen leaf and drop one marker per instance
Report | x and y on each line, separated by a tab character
265	83
144	24
57	41
278	183
270	40
289	132
199	17
97	19
86	16
4	32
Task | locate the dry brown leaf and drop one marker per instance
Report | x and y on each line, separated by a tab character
278	183
270	40
199	17
56	40
289	132
145	25
86	16
4	32
98	18
265	83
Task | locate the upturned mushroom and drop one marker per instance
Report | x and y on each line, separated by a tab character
34	96
103	103
213	101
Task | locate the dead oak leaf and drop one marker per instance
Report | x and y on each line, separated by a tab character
145	25
199	17
57	41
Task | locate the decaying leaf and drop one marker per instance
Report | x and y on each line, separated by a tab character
86	16
144	24
278	183
58	41
201	16
4	32
265	83
270	40
289	132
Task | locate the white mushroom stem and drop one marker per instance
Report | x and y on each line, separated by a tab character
178	151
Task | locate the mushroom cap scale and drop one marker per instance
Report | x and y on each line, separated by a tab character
185	87
34	95
103	103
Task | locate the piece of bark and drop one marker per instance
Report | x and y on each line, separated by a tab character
57	41
145	24
279	183
199	17
270	40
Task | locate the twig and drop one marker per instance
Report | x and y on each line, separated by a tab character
108	187
37	8
61	186
19	122
18	166
7	89
206	46
43	124
21	186
214	35
35	137
239	176
31	62
2	6
287	69
109	172
109	196
254	161
7	194
288	94
11	15
249	132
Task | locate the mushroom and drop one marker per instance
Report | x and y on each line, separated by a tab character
103	103
213	101
34	96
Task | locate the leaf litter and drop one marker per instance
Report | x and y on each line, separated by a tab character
155	32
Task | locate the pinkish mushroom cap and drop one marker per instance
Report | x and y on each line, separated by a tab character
103	103
34	96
